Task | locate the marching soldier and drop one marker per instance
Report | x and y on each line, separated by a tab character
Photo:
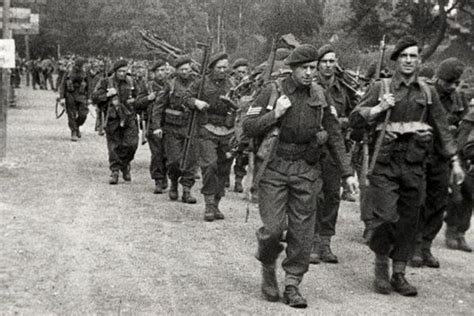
74	94
341	102
170	122
438	168
117	94
216	128
407	116
158	170
291	179
461	201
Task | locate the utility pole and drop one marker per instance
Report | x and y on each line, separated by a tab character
5	84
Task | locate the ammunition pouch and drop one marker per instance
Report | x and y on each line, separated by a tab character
268	144
176	118
419	146
314	151
230	119
218	120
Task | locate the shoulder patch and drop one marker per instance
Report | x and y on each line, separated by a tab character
254	110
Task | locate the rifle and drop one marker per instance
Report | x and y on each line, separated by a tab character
269	141
144	120
192	125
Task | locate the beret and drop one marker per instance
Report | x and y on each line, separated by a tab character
450	69
181	60
302	54
325	49
240	62
159	63
282	53
215	58
119	64
404	42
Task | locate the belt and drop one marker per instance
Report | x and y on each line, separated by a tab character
291	151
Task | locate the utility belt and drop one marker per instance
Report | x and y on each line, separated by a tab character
226	120
311	152
411	141
176	117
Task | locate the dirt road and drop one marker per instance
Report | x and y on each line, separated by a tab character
71	243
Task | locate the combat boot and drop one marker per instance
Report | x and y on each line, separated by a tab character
187	197
173	193
428	259
238	185
270	289
126	173
417	259
382	278
217	213
74	137
314	255
114	177
293	297
401	285
158	187
210	207
451	239
325	252
79	135
462	244
348	196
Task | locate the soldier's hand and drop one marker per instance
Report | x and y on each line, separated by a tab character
158	133
388	101
457	173
111	92
201	105
333	110
351	184
152	96
282	105
130	101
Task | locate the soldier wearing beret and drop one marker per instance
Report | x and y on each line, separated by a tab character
296	127
147	101
396	188
216	127
116	94
341	101
74	94
170	120
438	168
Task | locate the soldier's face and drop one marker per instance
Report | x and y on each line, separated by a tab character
449	86
408	61
160	73
327	64
121	73
241	72
184	71
140	72
221	68
304	74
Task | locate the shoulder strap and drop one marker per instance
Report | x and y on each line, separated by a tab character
428	97
317	92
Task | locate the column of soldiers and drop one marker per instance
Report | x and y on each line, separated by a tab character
299	123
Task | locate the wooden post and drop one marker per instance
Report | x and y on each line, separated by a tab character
4	84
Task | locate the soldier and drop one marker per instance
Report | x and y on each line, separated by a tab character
216	127
241	70
291	180
461	201
438	168
396	187
158	170
170	122
73	94
117	95
341	102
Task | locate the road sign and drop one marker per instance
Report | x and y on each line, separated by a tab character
19	18
7	53
31	28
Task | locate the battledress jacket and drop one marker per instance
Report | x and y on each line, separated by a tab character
300	124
